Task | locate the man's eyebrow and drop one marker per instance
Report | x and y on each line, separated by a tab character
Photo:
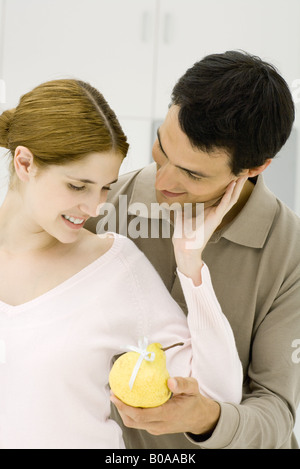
191	171
159	141
197	173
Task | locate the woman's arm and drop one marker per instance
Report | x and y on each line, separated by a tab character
212	338
209	354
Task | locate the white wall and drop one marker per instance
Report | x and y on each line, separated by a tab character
135	50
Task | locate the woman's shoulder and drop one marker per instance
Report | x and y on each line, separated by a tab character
96	245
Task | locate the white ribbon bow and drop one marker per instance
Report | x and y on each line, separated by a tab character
144	355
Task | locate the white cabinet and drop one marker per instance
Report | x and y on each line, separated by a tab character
189	30
134	51
2	83
107	42
139	132
1	32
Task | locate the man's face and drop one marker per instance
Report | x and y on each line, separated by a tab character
186	174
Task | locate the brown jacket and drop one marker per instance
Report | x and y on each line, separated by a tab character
255	268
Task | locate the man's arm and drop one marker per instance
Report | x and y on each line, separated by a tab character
266	416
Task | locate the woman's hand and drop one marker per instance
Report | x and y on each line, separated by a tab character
191	234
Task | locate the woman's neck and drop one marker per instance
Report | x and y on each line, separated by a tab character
18	232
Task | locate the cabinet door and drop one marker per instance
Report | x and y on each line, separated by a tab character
109	43
2	83
139	134
191	29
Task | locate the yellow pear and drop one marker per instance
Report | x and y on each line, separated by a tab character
149	388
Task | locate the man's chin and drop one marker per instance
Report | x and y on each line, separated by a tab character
161	199
212	203
209	203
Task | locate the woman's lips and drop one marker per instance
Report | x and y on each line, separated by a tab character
172	194
72	225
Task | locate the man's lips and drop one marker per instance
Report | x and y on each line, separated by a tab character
172	194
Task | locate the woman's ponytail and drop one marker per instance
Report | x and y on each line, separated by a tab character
5	122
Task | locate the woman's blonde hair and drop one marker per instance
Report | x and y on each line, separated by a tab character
61	121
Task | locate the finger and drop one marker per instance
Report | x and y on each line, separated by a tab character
225	203
138	415
230	191
237	189
180	385
232	194
123	408
178	224
239	186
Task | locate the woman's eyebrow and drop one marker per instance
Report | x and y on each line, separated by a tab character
112	182
88	181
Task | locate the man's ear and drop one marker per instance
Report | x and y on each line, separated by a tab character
23	163
259	169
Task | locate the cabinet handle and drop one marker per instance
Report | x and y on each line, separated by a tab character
168	26
146	27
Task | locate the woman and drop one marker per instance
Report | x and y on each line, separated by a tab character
70	299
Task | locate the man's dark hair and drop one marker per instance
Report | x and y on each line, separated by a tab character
237	102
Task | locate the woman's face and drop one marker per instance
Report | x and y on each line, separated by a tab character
59	199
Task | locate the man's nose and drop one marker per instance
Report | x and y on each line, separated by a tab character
165	177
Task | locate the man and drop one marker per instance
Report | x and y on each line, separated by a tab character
230	115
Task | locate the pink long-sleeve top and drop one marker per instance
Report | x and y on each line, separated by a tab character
56	351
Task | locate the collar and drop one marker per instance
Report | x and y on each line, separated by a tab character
251	226
144	191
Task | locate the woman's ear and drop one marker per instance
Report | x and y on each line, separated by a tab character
23	162
259	169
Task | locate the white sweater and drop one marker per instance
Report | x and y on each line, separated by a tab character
56	351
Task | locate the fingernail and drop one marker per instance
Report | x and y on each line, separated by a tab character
173	383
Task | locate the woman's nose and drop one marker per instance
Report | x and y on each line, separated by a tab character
92	206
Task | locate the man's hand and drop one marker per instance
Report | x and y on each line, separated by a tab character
186	411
